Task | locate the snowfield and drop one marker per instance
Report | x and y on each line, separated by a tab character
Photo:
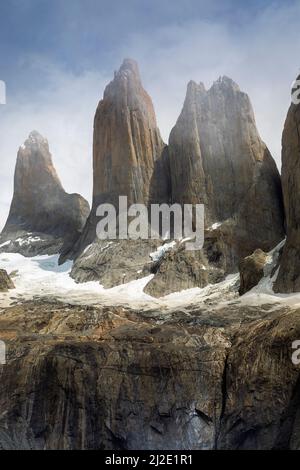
42	277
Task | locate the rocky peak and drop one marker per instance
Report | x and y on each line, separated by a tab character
217	158
194	93
40	203
225	83
126	92
129	69
127	141
35	139
128	150
34	168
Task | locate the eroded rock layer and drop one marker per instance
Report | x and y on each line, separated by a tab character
114	378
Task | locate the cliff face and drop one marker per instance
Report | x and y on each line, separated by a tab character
128	152
288	279
112	378
127	141
217	158
40	204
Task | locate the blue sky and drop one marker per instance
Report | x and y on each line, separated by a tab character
56	56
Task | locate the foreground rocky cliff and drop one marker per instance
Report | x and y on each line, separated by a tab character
42	217
114	378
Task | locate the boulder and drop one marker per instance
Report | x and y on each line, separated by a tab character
252	270
5	281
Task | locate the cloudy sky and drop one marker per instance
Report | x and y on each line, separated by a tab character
56	56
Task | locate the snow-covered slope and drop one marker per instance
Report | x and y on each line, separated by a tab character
42	277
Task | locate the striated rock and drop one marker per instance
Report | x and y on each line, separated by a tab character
178	269
108	379
288	279
174	268
261	394
113	263
127	141
129	154
252	270
5	281
40	208
217	158
112	378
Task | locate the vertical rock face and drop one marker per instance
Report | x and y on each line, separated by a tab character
288	279
127	142
40	203
130	158
217	158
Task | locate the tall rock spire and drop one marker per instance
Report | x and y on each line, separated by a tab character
217	158
127	141
40	204
129	156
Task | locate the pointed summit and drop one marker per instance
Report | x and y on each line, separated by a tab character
130	66
35	167
40	204
127	144
36	138
226	82
217	158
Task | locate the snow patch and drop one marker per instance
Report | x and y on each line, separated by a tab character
159	253
5	244
28	241
215	226
41	276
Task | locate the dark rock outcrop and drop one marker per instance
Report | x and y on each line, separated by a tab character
42	216
112	378
178	269
288	279
252	270
217	158
262	389
5	281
